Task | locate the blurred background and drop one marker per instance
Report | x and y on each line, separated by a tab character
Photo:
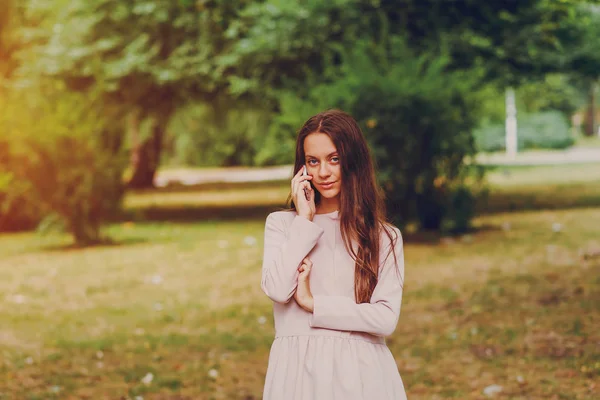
144	142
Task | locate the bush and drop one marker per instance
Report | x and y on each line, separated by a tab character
68	159
544	130
418	118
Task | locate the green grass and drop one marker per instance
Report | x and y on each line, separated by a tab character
542	187
515	304
544	175
61	307
588	141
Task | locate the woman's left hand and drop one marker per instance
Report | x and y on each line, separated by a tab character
303	296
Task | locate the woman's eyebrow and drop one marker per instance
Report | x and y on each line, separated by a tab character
328	155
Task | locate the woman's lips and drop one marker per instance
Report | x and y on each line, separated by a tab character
326	185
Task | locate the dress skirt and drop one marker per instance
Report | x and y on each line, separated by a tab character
314	367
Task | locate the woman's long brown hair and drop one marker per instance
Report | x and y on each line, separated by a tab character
362	210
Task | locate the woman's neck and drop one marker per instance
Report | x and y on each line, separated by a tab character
327	206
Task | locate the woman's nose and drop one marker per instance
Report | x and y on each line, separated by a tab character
324	170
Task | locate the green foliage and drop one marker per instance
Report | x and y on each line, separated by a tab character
220	134
139	49
279	144
150	52
544	130
421	136
10	20
17	211
511	40
555	92
67	159
277	43
583	59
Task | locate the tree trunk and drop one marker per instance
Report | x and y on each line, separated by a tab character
84	229
145	157
590	120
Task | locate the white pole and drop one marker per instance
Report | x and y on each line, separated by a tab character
511	123
596	124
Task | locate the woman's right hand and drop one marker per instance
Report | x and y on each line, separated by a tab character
305	208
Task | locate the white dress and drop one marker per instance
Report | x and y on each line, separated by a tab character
338	352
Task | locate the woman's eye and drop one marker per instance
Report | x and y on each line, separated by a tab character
312	162
335	159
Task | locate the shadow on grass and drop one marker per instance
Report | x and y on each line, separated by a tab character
259	213
560	197
193	214
435	237
106	242
180	188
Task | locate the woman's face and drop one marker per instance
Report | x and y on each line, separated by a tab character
323	163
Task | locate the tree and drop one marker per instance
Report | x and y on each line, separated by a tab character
150	56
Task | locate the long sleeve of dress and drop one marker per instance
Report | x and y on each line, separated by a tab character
380	316
283	254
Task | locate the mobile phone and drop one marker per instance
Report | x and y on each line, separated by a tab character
304	173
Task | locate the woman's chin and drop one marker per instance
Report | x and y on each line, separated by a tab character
329	194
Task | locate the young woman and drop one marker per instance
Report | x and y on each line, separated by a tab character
334	269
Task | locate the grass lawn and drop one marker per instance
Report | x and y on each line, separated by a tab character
175	310
588	141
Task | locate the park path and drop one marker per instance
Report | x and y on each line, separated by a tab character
195	176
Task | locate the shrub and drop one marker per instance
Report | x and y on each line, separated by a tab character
68	159
549	129
421	136
544	130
